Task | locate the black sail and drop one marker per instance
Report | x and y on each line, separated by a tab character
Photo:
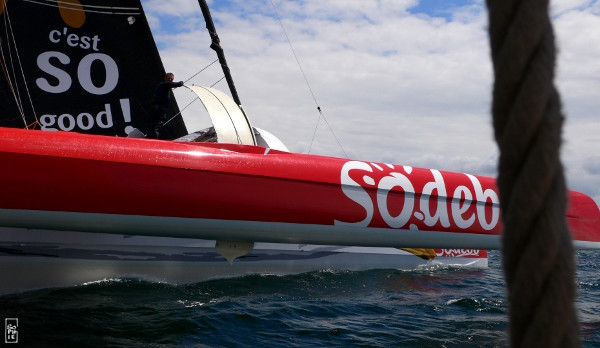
81	66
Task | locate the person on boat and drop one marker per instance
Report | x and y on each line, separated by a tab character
160	104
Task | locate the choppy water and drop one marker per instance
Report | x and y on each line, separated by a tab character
437	307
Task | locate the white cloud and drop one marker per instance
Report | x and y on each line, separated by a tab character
179	8
395	86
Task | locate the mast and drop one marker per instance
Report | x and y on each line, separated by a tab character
215	45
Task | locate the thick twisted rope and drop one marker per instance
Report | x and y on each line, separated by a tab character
537	249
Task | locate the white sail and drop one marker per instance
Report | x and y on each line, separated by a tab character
231	125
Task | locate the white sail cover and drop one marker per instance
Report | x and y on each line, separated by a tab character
266	139
231	125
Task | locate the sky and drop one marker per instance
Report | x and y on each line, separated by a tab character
398	81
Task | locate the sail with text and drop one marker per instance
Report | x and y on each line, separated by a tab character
81	66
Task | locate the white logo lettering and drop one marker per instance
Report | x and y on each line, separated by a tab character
394	184
356	192
74	40
83	73
104	118
482	199
64	80
441	213
458	210
458	252
385	186
84	120
70	120
85	77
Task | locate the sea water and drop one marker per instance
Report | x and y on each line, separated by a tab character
438	307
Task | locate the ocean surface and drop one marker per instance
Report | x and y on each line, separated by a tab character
438	307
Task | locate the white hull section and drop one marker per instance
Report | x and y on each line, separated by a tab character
250	231
33	259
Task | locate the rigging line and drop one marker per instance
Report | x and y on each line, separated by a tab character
206	67
67	3
314	133
180	111
14	87
294	52
307	84
330	129
12	33
33	124
9	82
221	79
5	71
84	10
13	78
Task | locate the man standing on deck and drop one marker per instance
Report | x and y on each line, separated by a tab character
160	104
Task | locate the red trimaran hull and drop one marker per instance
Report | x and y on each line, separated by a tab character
75	182
67	200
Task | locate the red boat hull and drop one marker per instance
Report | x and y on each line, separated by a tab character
68	181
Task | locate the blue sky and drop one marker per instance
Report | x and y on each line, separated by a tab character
443	9
399	81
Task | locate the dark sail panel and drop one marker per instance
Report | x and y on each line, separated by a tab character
82	66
